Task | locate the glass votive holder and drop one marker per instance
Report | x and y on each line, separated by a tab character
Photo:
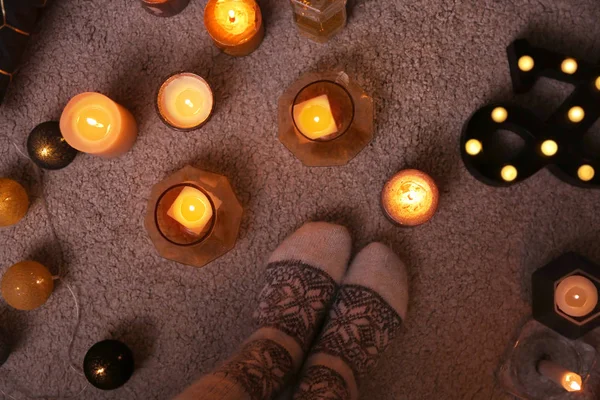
319	20
410	198
184	101
520	373
325	119
235	26
193	216
164	8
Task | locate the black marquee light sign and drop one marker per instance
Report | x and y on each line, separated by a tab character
556	143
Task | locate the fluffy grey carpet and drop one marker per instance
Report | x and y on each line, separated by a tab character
428	63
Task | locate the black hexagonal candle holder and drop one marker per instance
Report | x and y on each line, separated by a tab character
567	320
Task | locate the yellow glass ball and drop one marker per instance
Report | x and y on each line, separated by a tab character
499	114
598	83
526	63
27	285
14	202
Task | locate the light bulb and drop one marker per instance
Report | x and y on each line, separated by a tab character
569	66
526	63
499	114
473	147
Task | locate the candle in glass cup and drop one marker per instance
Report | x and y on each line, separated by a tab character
164	8
185	101
576	296
235	26
570	381
410	197
314	118
92	123
192	209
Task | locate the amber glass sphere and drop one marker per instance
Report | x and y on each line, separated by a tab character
14	202
27	285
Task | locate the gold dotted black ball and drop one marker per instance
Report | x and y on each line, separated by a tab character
108	364
47	148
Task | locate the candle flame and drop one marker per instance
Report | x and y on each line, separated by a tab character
93	122
231	16
100	371
189	103
45	151
576	297
575	386
192	208
317	119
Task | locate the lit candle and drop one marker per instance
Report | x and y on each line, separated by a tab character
314	118
164	8
570	381
234	25
192	209
185	101
410	198
94	124
576	296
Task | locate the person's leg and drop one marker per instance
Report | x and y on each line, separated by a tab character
366	315
302	278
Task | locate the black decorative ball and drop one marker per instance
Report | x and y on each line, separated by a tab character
47	148
108	364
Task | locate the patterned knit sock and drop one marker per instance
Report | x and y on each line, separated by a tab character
302	278
366	314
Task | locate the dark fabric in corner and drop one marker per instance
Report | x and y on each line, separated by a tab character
19	18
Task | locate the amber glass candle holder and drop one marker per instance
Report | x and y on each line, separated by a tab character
164	8
410	198
519	373
325	119
319	20
177	242
236	26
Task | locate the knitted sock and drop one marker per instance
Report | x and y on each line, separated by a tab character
302	277
366	314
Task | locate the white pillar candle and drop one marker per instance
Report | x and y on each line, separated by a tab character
570	381
576	296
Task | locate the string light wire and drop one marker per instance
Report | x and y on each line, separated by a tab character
71	365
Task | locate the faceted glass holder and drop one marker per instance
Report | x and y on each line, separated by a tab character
351	107
219	236
319	20
518	373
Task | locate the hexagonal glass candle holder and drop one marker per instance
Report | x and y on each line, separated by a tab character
325	119
319	20
520	373
193	216
565	295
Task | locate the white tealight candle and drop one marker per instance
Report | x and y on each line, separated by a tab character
576	296
185	101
